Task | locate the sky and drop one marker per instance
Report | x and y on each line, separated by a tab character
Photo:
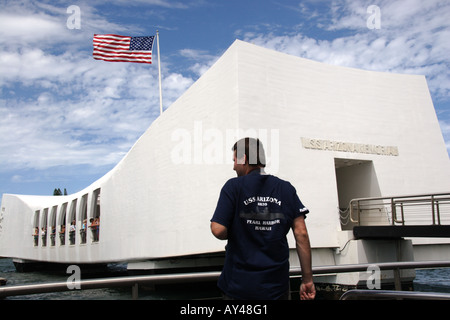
67	119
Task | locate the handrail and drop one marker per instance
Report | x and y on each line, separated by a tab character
199	276
108	282
431	201
404	196
382	294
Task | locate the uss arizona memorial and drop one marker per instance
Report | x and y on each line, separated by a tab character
335	133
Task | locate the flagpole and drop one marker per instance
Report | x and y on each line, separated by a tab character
159	72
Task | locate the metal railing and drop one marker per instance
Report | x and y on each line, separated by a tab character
428	209
389	294
127	281
135	281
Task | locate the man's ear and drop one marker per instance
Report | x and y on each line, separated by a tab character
241	160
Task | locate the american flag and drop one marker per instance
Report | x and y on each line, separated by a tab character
115	48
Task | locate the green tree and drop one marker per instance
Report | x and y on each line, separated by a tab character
58	192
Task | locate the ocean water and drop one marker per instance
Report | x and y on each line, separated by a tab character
427	280
166	292
432	280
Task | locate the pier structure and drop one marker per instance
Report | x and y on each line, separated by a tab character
349	141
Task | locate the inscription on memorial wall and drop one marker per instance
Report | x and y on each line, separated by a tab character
328	145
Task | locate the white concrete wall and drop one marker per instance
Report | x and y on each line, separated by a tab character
303	98
157	202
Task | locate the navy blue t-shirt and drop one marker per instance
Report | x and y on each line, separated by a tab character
258	211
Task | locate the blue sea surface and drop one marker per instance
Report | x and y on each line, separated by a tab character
427	280
166	292
432	280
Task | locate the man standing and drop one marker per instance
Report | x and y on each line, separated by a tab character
254	213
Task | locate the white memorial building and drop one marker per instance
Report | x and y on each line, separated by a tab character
335	133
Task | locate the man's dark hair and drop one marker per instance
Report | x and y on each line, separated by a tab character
253	149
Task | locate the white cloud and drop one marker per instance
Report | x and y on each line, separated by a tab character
445	128
202	60
413	39
175	84
160	3
106	109
31	29
61	107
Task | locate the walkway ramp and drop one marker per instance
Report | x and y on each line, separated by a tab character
425	216
393	232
